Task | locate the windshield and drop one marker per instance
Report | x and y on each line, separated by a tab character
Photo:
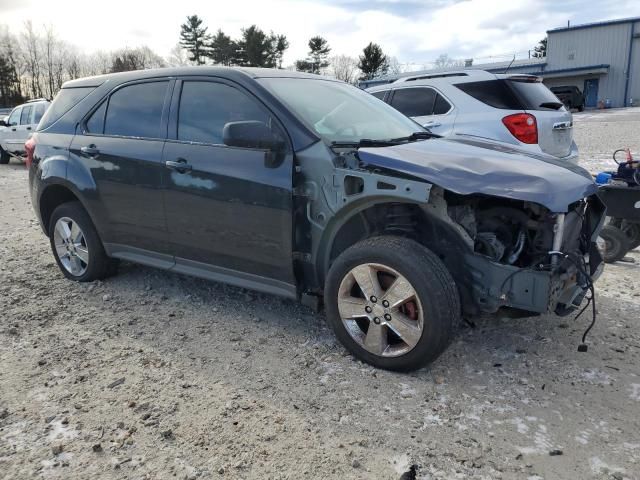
338	112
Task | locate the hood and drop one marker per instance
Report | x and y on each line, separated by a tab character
488	169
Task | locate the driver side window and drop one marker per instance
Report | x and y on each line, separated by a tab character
206	107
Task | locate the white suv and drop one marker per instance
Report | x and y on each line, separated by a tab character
514	110
17	128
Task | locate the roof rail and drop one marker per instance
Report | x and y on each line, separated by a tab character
471	72
38	100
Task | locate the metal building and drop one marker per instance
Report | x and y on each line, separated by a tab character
602	59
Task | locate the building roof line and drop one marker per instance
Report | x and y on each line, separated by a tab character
595	24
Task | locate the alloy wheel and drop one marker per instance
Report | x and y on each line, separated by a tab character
381	310
71	246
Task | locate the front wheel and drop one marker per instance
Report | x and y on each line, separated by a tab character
392	303
76	245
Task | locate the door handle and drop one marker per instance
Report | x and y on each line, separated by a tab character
180	165
90	150
28	128
13	129
432	124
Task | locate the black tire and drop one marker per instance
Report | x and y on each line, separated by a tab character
99	265
616	243
630	229
581	108
435	290
4	157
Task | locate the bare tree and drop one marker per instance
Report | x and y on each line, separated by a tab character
31	52
445	61
344	68
178	57
135	59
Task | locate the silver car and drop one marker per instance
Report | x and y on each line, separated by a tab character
511	109
19	126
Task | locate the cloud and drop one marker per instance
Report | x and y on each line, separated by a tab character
412	30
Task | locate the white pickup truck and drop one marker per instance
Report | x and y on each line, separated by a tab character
19	126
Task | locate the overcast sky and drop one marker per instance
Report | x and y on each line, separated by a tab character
411	30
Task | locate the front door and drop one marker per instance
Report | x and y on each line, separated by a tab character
120	147
229	209
591	92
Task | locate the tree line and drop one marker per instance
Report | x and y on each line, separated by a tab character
256	48
35	62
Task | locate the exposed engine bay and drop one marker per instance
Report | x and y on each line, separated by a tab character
535	241
506	234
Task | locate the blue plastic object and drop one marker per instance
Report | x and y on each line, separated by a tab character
603	178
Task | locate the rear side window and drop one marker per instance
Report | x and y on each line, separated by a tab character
414	102
495	93
441	106
380	94
205	108
40	109
136	110
95	124
25	116
512	94
65	100
535	95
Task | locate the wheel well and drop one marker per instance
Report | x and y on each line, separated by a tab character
52	198
410	221
400	219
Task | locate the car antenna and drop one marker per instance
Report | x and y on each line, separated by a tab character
509	66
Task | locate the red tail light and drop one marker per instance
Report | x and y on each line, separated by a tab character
30	146
523	126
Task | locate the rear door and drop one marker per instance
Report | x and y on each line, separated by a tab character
229	209
120	145
426	106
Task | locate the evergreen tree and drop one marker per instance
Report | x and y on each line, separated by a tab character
373	62
254	48
318	56
194	39
223	49
540	50
279	45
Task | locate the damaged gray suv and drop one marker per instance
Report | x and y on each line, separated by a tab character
305	187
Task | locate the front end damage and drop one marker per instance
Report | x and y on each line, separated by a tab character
531	259
527	229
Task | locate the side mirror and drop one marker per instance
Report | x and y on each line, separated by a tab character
250	134
3	123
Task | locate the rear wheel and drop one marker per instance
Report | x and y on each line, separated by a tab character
630	229
392	303
76	245
614	243
4	157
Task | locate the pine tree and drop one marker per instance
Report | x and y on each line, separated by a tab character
373	62
194	39
279	45
223	49
318	56
540	50
254	48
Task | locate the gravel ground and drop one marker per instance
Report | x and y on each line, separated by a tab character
151	375
599	132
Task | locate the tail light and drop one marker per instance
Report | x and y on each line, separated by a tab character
29	146
523	126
